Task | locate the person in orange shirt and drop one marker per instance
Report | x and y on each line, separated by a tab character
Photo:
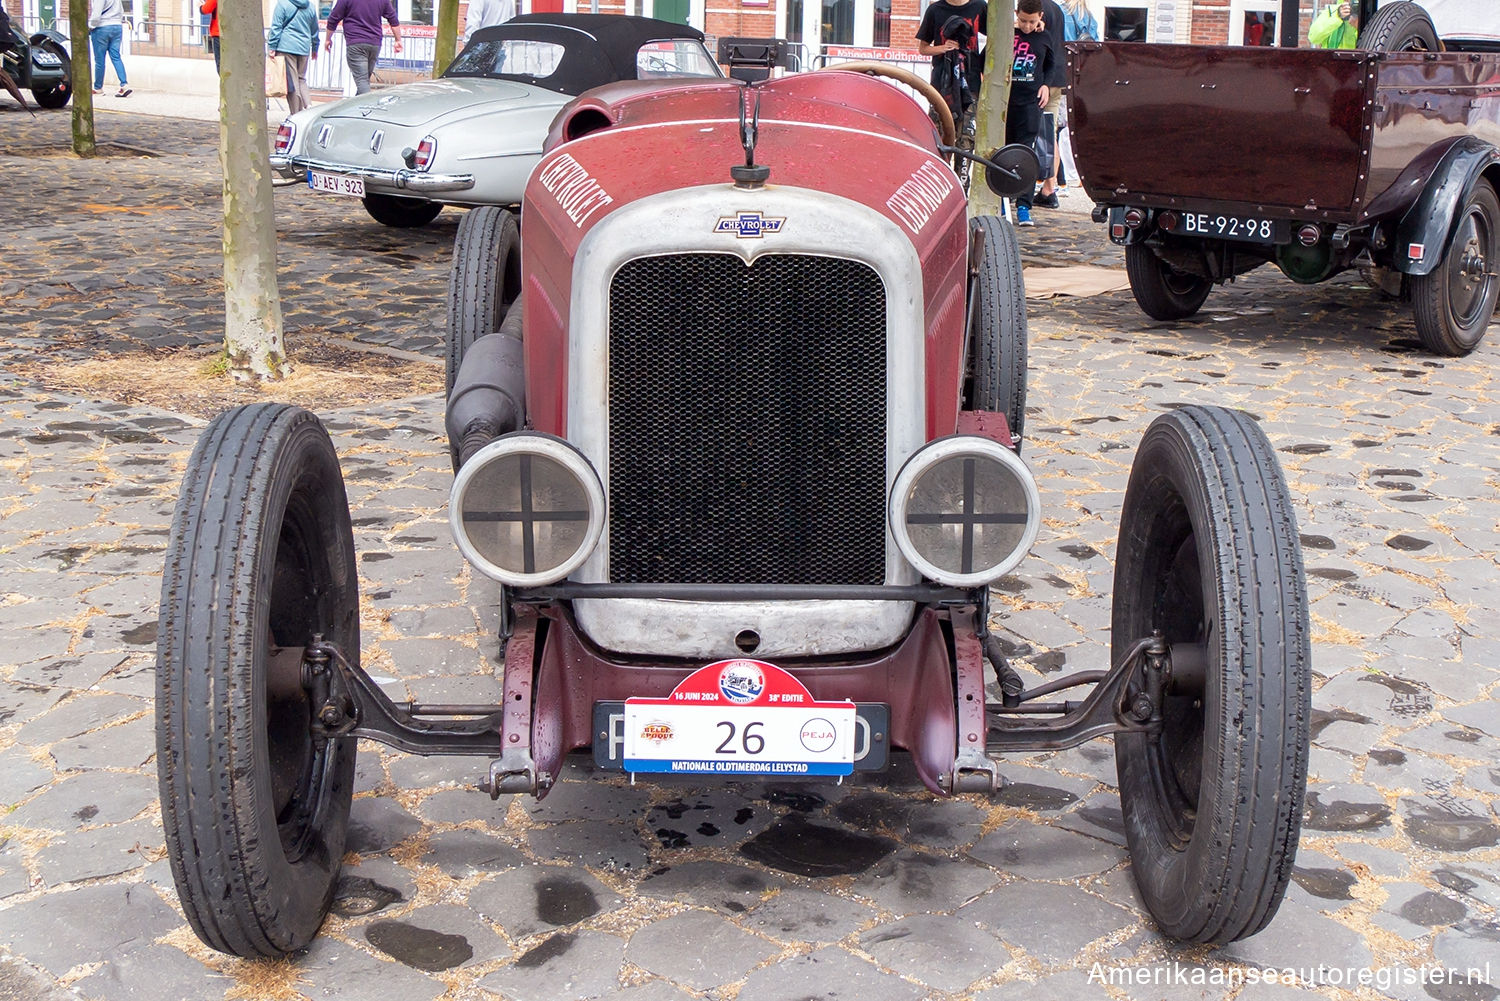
212	7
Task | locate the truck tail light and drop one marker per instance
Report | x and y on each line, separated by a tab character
1309	234
1135	218
426	151
1168	221
527	509
284	134
964	510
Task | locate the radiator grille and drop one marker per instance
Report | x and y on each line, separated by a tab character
747	421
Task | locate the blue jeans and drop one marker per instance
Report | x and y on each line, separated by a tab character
106	39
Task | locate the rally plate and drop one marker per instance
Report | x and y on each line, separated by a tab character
741	717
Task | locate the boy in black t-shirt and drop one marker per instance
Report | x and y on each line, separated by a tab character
949	33
1035	58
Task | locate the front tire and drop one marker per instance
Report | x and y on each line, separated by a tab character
997	328
1400	27
402	213
1209	556
260	558
1454	304
485	279
1162	292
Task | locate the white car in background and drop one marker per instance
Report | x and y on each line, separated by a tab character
472	136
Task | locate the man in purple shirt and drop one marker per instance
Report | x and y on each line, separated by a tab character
361	21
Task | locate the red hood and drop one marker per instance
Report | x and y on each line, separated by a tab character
849	100
845	134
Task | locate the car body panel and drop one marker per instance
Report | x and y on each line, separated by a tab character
854	174
1344	128
816	133
488	129
27	60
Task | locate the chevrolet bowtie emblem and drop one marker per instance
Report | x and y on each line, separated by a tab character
749	225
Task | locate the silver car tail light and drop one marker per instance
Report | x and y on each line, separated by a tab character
964	510
285	133
527	509
426	153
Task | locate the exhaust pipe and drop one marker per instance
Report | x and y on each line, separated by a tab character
489	392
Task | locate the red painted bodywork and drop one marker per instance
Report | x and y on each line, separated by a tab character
1280	133
837	133
841	133
915	678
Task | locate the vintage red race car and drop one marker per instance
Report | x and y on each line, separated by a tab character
737	433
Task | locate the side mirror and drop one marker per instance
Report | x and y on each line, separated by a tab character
1013	171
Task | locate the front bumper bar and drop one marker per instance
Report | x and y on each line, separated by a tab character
296	167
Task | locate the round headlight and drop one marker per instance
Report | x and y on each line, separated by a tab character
964	510
527	509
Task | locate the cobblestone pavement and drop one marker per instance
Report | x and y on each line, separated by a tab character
654	892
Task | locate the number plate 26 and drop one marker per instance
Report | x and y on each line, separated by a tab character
739	717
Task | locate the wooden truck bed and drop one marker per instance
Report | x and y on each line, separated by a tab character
1278	133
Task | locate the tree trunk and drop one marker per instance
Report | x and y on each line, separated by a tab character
445	47
83	78
253	342
994	98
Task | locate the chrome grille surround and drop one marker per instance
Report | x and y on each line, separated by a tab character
685	222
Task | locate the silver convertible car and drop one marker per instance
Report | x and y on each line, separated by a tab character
472	136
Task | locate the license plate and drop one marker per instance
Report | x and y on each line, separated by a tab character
336	184
42	58
1247	229
741	717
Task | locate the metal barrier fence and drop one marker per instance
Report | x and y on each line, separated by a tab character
330	71
143	38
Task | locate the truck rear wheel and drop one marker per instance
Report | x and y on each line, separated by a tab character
1400	27
997	328
260	559
1163	292
1455	303
1209	556
402	213
485	279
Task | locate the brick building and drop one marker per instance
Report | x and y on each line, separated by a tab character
843	27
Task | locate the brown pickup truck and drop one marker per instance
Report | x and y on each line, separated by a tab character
1209	161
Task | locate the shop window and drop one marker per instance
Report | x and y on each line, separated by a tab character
838	22
1124	24
423	12
1260	28
794	20
882	39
